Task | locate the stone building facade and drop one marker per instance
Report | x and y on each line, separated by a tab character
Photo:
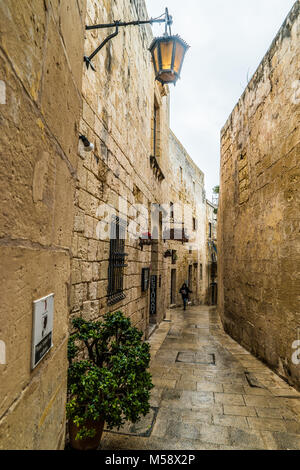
125	176
212	254
258	222
61	204
188	211
134	173
41	45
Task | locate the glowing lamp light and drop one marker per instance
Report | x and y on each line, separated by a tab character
168	54
167	51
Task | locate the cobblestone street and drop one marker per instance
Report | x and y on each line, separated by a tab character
210	393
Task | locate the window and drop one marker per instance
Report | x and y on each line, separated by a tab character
209	229
190	277
194	224
180	174
160	226
155	122
201	272
116	261
155	131
171	210
145	279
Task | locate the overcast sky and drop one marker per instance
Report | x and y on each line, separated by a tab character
228	39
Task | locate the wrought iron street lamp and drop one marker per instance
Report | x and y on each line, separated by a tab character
167	52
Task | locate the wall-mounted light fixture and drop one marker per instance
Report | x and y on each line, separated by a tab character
88	146
167	52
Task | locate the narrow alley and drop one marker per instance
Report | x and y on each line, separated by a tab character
123	198
210	393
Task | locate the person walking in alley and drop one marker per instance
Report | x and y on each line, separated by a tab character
185	291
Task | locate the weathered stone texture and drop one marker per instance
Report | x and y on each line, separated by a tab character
52	191
187	191
40	44
117	113
259	245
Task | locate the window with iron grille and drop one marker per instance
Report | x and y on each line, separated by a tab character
117	255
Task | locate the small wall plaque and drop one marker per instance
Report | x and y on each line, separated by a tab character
42	328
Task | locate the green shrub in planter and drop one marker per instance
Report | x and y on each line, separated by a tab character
107	377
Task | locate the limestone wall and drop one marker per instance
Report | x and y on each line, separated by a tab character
41	48
187	190
53	192
258	237
118	118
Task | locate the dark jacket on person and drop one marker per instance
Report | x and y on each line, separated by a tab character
185	291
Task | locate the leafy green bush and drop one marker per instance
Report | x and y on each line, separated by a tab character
111	381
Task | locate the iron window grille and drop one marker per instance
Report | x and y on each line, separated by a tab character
117	255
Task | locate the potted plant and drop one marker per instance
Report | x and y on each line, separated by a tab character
108	381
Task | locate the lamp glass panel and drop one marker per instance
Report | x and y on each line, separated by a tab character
166	54
179	53
155	59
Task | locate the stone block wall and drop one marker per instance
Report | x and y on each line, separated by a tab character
258	222
117	117
53	192
187	191
41	48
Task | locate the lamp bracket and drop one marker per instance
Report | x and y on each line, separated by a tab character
88	60
168	20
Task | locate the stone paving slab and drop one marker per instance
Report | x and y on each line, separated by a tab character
232	410
235	403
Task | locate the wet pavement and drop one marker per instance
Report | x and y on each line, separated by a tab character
210	393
